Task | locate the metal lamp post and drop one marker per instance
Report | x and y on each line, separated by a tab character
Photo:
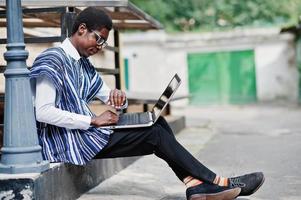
21	152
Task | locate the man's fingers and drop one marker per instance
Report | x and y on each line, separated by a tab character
111	98
113	117
117	98
120	98
123	98
114	97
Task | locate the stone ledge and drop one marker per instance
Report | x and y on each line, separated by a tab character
61	181
65	181
176	123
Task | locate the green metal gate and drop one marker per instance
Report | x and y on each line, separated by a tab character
222	77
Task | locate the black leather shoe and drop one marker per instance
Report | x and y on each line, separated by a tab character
248	183
206	191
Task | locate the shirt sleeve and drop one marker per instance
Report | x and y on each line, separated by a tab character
47	112
104	93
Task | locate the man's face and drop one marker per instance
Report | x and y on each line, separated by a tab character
91	41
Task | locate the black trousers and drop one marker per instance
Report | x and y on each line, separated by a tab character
158	139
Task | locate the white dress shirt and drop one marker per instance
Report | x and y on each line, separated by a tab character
45	98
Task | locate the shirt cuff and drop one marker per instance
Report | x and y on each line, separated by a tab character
84	122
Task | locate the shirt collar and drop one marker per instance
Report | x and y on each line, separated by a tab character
69	49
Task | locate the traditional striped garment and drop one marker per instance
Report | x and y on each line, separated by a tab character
76	83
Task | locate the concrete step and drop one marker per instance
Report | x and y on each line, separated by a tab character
65	181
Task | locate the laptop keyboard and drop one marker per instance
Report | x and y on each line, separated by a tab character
134	118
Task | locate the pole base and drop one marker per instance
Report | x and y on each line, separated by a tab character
23	168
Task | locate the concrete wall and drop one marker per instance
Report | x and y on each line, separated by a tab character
151	64
155	56
276	71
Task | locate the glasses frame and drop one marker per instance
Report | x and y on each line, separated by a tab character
100	41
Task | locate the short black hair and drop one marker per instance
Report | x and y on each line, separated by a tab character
94	19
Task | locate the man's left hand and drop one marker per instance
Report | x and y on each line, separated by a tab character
117	98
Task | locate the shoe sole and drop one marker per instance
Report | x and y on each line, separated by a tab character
224	195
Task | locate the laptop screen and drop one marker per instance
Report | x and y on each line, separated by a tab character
166	96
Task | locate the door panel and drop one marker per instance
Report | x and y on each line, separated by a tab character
203	78
222	77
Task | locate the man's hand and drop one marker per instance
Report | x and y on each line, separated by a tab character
117	98
106	118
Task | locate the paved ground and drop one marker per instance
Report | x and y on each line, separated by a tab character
230	140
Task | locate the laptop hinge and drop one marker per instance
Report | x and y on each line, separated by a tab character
153	116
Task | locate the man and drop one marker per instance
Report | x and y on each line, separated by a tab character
65	81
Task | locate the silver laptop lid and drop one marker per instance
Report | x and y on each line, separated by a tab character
166	96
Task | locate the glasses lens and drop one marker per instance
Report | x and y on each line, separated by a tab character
99	40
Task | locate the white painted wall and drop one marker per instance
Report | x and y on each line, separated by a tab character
276	71
152	63
155	56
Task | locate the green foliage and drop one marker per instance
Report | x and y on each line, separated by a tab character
209	15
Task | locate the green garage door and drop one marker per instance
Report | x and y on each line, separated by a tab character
222	77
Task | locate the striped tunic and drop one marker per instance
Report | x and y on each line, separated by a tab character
76	83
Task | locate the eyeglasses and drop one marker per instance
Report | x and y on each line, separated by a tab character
100	41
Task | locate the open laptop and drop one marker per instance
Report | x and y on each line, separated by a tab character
144	119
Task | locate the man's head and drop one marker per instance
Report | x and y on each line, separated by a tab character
90	31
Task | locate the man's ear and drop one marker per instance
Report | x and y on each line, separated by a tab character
82	28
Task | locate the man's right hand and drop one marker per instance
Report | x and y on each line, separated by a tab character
106	118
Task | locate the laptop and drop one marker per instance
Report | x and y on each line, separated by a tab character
144	119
